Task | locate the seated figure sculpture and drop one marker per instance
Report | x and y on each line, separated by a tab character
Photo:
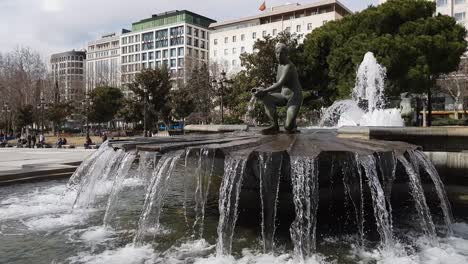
287	81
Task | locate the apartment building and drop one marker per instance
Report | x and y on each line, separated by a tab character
231	38
176	39
68	71
103	61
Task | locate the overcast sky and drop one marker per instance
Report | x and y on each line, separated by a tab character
50	26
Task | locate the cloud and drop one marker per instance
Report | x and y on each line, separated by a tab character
50	26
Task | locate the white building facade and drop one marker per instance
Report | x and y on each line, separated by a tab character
454	8
231	38
103	62
172	39
68	73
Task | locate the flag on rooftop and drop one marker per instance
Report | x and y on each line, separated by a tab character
262	7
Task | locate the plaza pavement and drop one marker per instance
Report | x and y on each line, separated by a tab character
23	164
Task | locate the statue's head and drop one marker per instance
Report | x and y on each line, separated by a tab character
281	51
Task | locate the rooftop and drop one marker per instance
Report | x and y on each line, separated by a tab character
277	10
172	17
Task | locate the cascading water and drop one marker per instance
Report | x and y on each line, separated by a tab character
249	115
155	193
98	179
270	174
417	192
369	91
122	174
427	165
203	173
304	178
228	202
382	216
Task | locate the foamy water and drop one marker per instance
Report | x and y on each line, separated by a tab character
44	211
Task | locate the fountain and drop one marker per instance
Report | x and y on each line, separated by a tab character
367	105
308	197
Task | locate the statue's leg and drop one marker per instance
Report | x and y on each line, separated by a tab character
292	112
271	101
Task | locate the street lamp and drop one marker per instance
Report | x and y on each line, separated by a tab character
42	106
86	104
219	86
146	97
6	110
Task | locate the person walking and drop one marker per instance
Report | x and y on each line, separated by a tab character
29	139
33	139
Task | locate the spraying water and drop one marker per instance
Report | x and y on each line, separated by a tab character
366	106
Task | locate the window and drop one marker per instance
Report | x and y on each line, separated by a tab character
189	41
226	39
158	64
274	32
173	63
441	3
196	54
234	38
189	31
151	55
202	53
254	35
165	53
459	17
189	51
151	65
233	50
215	41
180	52
195	32
173	52
195	42
148	36
242	37
298	28
264	33
242	49
309	26
180	62
214	53
144	56
158	54
226	52
202	34
202	44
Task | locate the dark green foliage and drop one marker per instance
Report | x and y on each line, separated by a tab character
158	85
106	102
25	116
59	111
415	47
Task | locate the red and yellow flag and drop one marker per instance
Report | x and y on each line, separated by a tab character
262	7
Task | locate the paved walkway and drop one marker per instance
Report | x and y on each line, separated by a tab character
19	163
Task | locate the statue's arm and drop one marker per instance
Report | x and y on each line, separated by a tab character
279	84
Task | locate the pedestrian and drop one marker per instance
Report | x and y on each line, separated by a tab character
41	140
88	142
34	140
29	140
104	137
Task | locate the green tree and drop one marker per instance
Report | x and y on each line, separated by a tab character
182	103
58	112
415	46
201	91
106	102
157	84
25	116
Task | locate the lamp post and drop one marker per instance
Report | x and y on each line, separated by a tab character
42	106
219	85
86	103
146	97
6	110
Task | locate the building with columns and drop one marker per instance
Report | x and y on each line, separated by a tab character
231	38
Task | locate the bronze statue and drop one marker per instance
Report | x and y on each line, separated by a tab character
287	80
